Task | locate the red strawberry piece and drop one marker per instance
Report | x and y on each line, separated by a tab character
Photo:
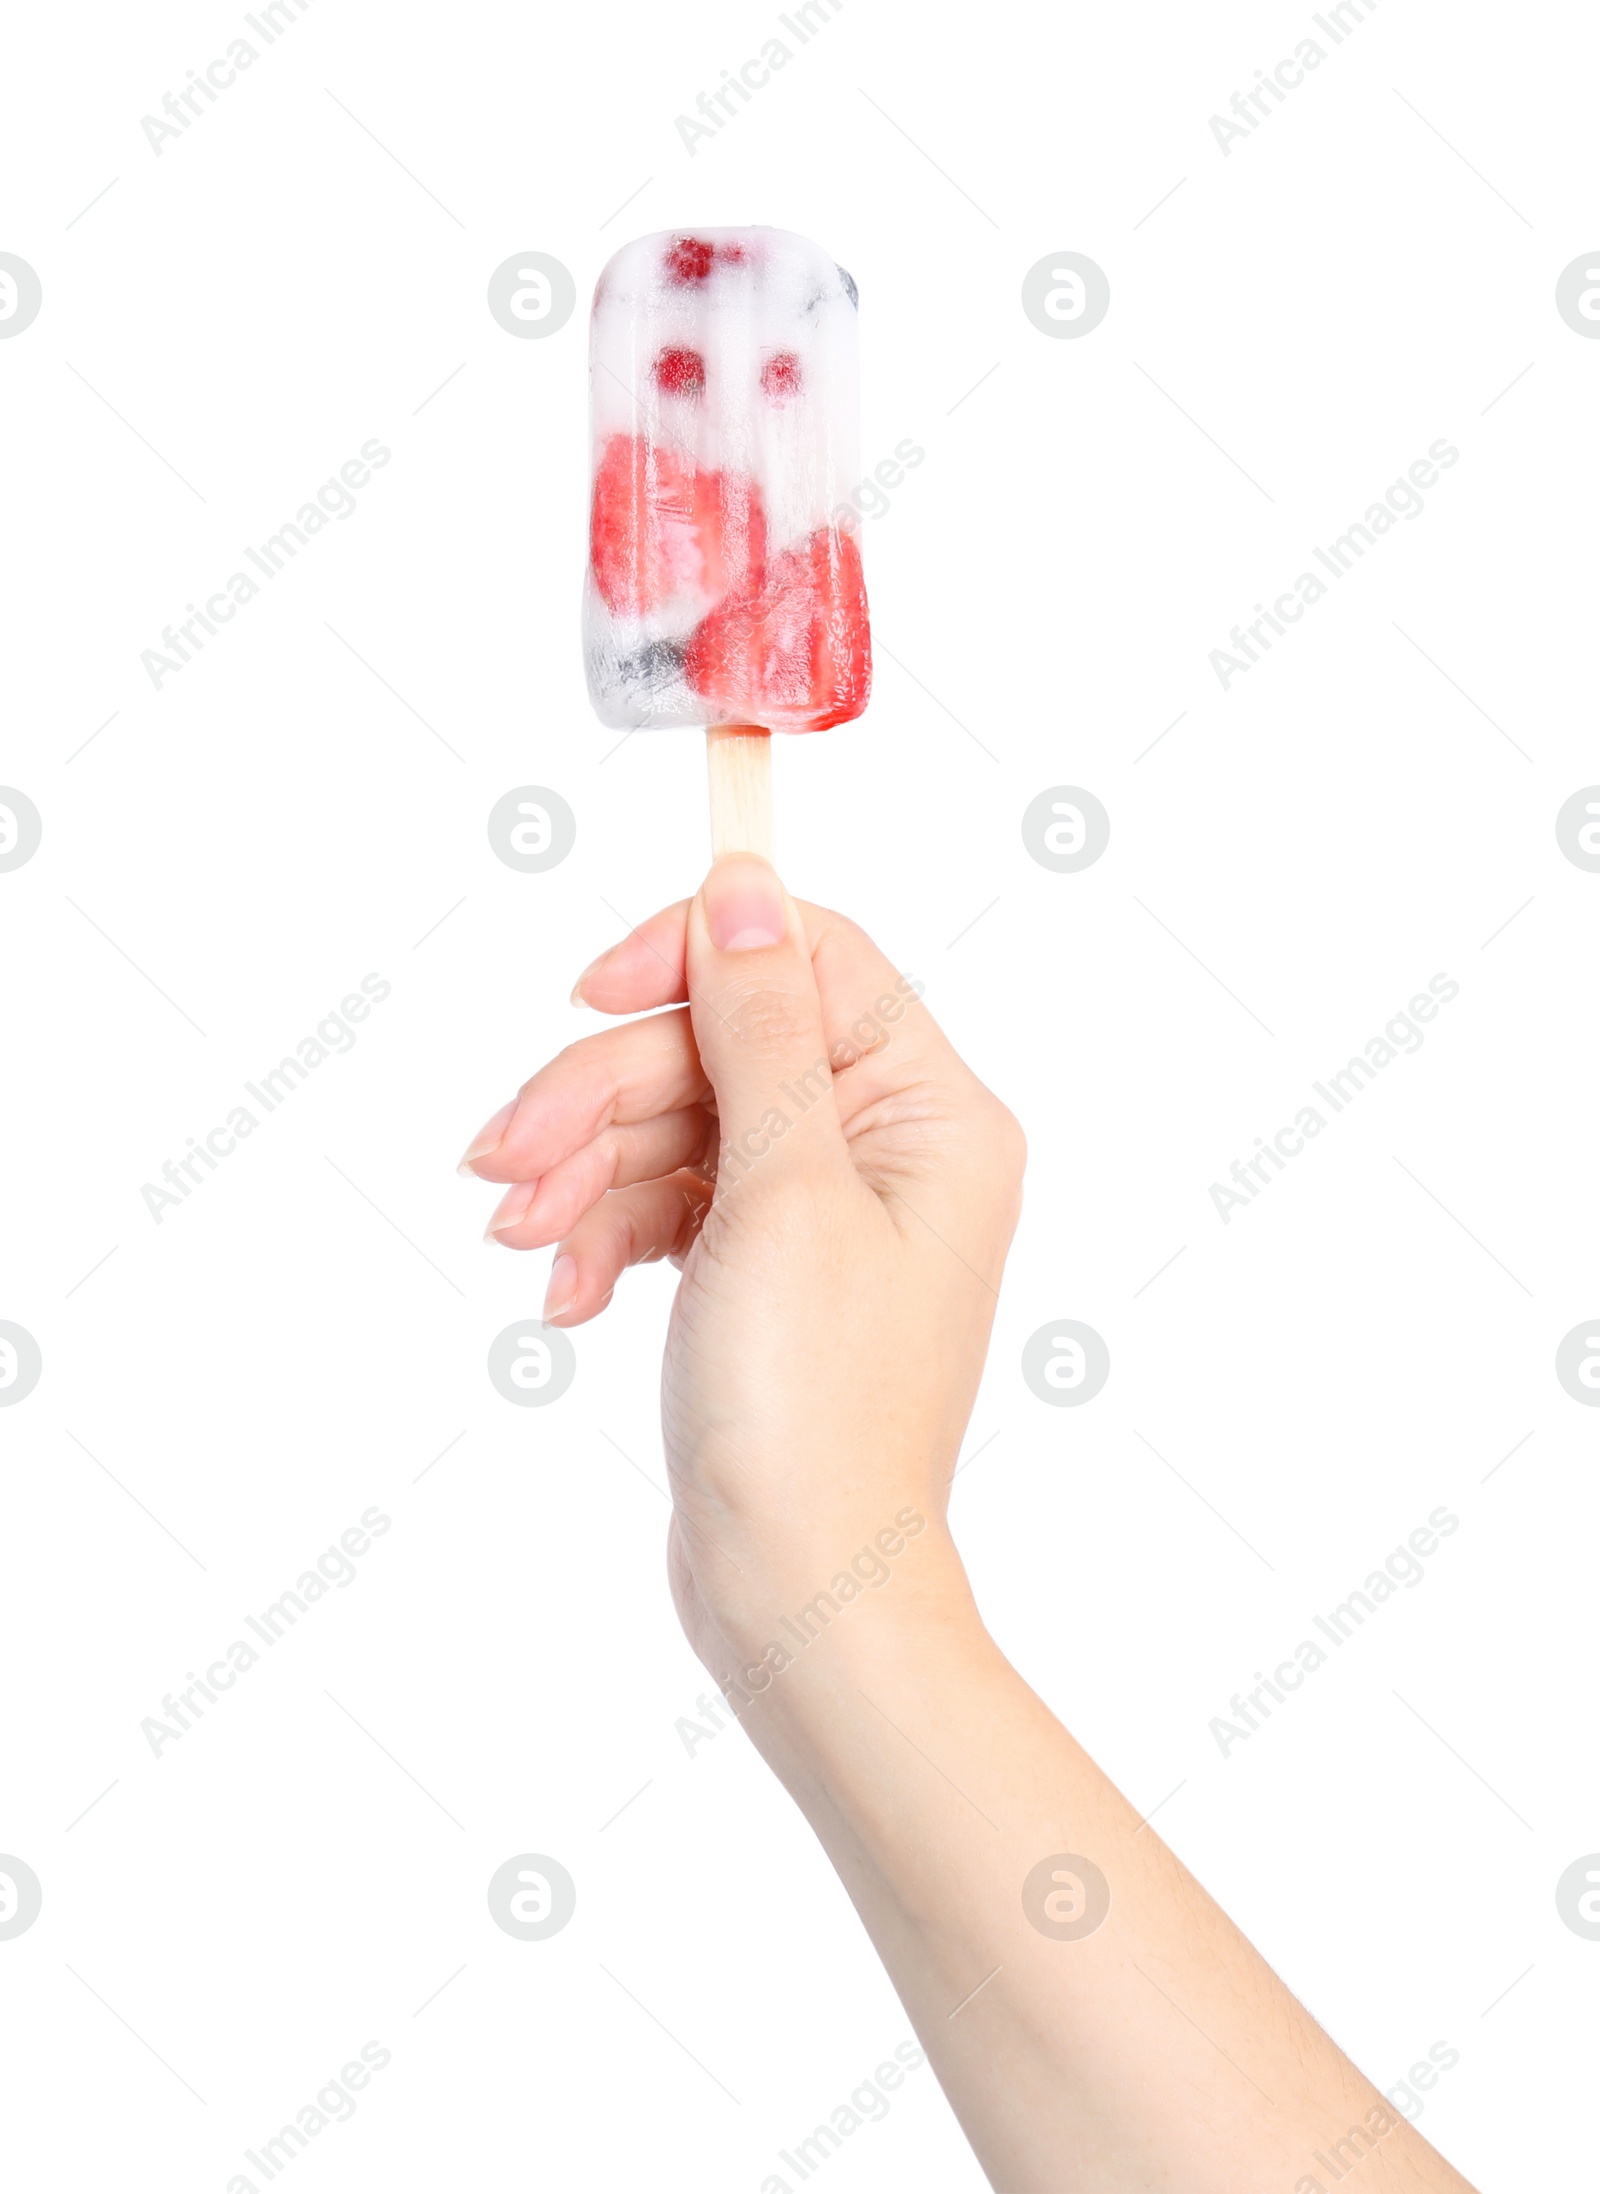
730	527
780	377
642	502
689	259
680	373
794	654
659	527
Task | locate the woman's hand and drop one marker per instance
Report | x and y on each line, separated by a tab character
839	1191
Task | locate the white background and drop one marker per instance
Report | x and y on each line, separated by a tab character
1294	325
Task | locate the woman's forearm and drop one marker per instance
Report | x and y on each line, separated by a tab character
842	1224
1096	2021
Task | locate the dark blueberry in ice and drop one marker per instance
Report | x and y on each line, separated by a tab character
849	287
658	665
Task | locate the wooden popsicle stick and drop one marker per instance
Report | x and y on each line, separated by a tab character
739	766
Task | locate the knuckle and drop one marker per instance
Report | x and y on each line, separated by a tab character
582	1050
1000	1136
1014	1141
559	1063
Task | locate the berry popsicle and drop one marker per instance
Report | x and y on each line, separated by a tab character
724	587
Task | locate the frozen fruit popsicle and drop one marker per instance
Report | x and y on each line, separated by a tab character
724	587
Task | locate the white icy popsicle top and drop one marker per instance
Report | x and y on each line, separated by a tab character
724	582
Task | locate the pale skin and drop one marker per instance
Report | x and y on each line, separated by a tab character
839	1191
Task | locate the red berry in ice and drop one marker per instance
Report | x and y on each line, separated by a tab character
689	259
780	377
680	373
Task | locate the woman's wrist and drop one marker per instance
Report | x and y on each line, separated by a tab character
795	1620
797	1665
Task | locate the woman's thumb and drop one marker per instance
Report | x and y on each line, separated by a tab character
758	1021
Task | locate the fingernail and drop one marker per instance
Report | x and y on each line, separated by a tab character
744	905
511	1210
562	1292
578	999
489	1137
